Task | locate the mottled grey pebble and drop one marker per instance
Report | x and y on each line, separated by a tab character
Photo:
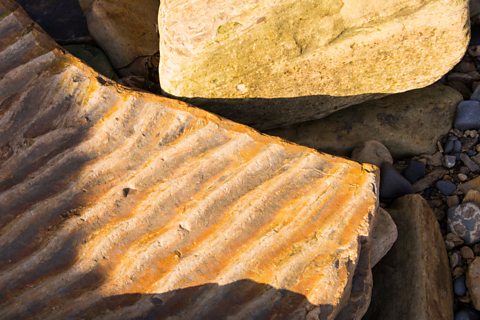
449	161
468	115
415	171
392	183
446	187
464	221
459	286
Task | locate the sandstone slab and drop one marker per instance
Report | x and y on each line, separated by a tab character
117	204
307	59
407	123
413	280
127	31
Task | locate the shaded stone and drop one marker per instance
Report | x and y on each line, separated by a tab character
418	254
464	220
468	115
429	179
372	152
127	32
63	20
384	235
471	165
446	187
314	50
473	282
392	183
415	171
459	286
94	57
408	124
467	314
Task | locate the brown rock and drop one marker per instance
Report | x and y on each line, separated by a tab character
473	282
429	180
473	184
407	124
372	152
118	204
384	235
413	280
127	31
312	57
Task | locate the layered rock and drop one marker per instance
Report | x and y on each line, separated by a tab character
302	60
413	280
408	123
117	204
127	31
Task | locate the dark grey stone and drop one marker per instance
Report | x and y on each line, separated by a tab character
415	171
467	314
446	187
459	286
468	115
392	183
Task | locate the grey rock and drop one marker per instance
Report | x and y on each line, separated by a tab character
467	314
459	286
446	187
415	171
468	115
464	220
449	161
413	281
373	152
471	165
408	124
384	235
392	183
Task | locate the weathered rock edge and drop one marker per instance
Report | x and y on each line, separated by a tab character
302	60
120	204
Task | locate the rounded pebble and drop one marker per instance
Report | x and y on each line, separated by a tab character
415	171
449	161
464	221
459	286
392	183
446	187
468	115
467	314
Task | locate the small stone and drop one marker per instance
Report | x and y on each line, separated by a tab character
465	67
415	171
458	272
373	152
449	161
468	115
452	240
435	160
467	314
392	183
449	144
476	249
453	201
467	253
473	184
471	153
459	286
462	177
473	282
472	196
457	146
446	187
455	259
461	87
477	148
464	220
429	180
469	163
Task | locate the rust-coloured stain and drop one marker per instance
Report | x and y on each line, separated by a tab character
117	204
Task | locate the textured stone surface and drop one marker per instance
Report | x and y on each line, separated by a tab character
330	53
413	280
407	124
118	204
127	31
464	220
473	282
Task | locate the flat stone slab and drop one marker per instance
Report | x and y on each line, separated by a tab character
118	204
299	60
